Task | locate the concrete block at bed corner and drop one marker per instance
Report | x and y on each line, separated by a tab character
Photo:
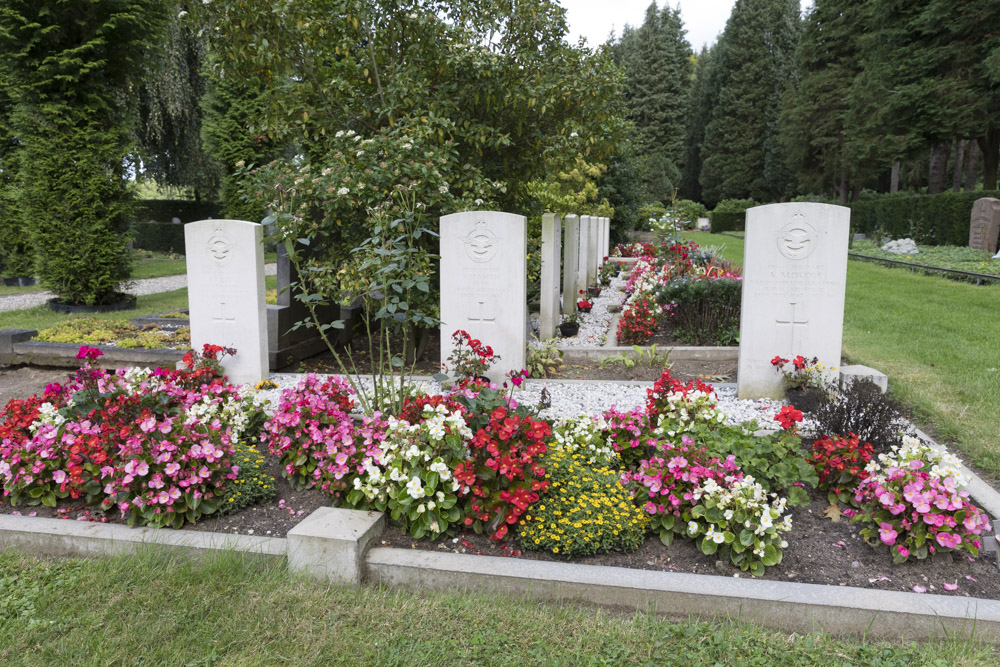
7	339
331	543
850	374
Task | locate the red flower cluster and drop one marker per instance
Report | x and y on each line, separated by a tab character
798	362
668	384
638	322
502	474
484	352
788	416
413	406
840	463
87	352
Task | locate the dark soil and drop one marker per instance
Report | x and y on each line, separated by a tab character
665	337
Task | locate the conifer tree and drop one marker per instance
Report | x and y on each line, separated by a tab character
743	154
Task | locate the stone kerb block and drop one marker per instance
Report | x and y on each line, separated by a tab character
794	275
484	284
851	374
984	225
7	339
583	270
571	259
331	543
548	318
225	272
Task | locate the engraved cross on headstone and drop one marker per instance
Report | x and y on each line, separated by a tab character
479	316
221	315
791	322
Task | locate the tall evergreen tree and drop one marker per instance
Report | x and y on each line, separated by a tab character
814	118
68	66
699	109
742	151
657	61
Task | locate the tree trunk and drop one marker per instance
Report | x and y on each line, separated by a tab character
972	166
894	179
842	189
938	167
956	181
990	145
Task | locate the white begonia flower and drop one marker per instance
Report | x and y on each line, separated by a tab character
421	508
343	191
718	538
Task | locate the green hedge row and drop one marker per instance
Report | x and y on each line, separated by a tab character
165	210
728	221
158	236
927	219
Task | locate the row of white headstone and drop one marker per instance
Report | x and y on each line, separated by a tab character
795	269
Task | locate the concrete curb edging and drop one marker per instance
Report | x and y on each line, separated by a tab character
63	537
64	354
792	607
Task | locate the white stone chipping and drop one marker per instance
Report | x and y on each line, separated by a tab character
901	247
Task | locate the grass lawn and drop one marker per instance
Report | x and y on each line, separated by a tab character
937	339
228	611
40	317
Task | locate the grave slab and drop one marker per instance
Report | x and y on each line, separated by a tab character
794	275
483	284
850	374
549	297
984	225
225	272
571	258
331	543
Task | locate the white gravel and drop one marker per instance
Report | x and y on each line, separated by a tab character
594	325
137	287
573	398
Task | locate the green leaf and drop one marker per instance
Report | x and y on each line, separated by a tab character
667	537
708	547
770	556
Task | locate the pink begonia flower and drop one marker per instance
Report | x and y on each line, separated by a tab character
903	551
951	587
172	468
162	497
148	425
130	468
916	464
897	509
919	589
921	505
948	540
887	533
142	469
58	476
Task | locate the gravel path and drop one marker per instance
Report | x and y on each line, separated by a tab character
139	288
595	325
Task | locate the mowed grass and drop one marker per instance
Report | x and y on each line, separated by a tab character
152	609
40	317
937	339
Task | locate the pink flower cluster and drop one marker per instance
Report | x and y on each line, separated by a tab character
317	441
916	513
671	479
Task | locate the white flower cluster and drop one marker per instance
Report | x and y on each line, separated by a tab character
407	450
943	464
901	247
762	511
684	411
231	412
47	414
585	434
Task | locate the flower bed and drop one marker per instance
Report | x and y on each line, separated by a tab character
698	294
473	466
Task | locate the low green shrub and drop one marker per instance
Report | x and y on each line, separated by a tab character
703	312
120	333
253	484
941	219
776	462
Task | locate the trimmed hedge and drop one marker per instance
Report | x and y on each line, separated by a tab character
165	210
927	219
728	221
158	236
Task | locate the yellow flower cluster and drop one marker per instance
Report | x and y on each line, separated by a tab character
252	484
585	510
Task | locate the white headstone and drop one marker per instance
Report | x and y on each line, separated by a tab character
606	243
595	250
585	256
225	274
549	302
571	259
484	284
794	275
